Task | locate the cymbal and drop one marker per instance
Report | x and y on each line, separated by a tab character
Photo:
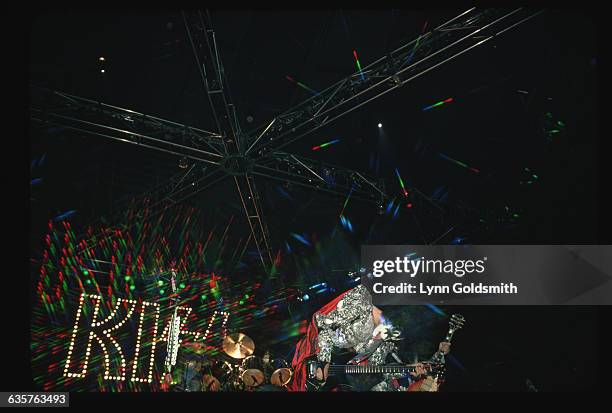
238	345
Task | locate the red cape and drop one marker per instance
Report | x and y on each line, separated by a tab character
307	347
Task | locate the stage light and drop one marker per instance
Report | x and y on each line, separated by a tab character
102	71
380	125
101	59
183	163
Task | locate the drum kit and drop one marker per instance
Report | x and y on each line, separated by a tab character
241	370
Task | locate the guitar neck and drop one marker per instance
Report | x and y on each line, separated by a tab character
365	369
449	335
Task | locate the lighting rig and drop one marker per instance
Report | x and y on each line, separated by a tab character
229	152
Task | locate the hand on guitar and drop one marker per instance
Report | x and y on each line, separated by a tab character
419	370
444	347
323	373
316	376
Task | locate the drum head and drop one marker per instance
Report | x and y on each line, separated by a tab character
252	377
280	377
252	371
210	383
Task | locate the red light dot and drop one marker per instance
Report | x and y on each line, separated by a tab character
409	205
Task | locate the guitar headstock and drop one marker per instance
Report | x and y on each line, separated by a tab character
456	322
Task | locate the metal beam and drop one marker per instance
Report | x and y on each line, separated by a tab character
204	45
427	52
251	203
320	176
208	58
100	119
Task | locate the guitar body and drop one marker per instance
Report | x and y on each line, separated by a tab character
343	374
428	384
339	381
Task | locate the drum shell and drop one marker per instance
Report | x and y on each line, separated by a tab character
278	364
222	370
252	371
279	372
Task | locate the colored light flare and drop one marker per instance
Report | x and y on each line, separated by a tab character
300	84
401	181
346	223
461	164
358	64
133	264
301	238
436	309
416	45
435	105
326	144
347	200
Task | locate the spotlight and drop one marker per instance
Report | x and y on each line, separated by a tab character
380	125
102	71
183	163
101	59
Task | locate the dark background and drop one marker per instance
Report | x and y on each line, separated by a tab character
150	68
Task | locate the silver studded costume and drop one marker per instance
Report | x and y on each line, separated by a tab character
350	325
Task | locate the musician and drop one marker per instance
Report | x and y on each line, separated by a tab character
351	322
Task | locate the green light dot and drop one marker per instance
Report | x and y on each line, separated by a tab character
88	281
160	283
515	215
161	291
241	302
127	278
203	296
132	287
85	272
182	285
246	296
